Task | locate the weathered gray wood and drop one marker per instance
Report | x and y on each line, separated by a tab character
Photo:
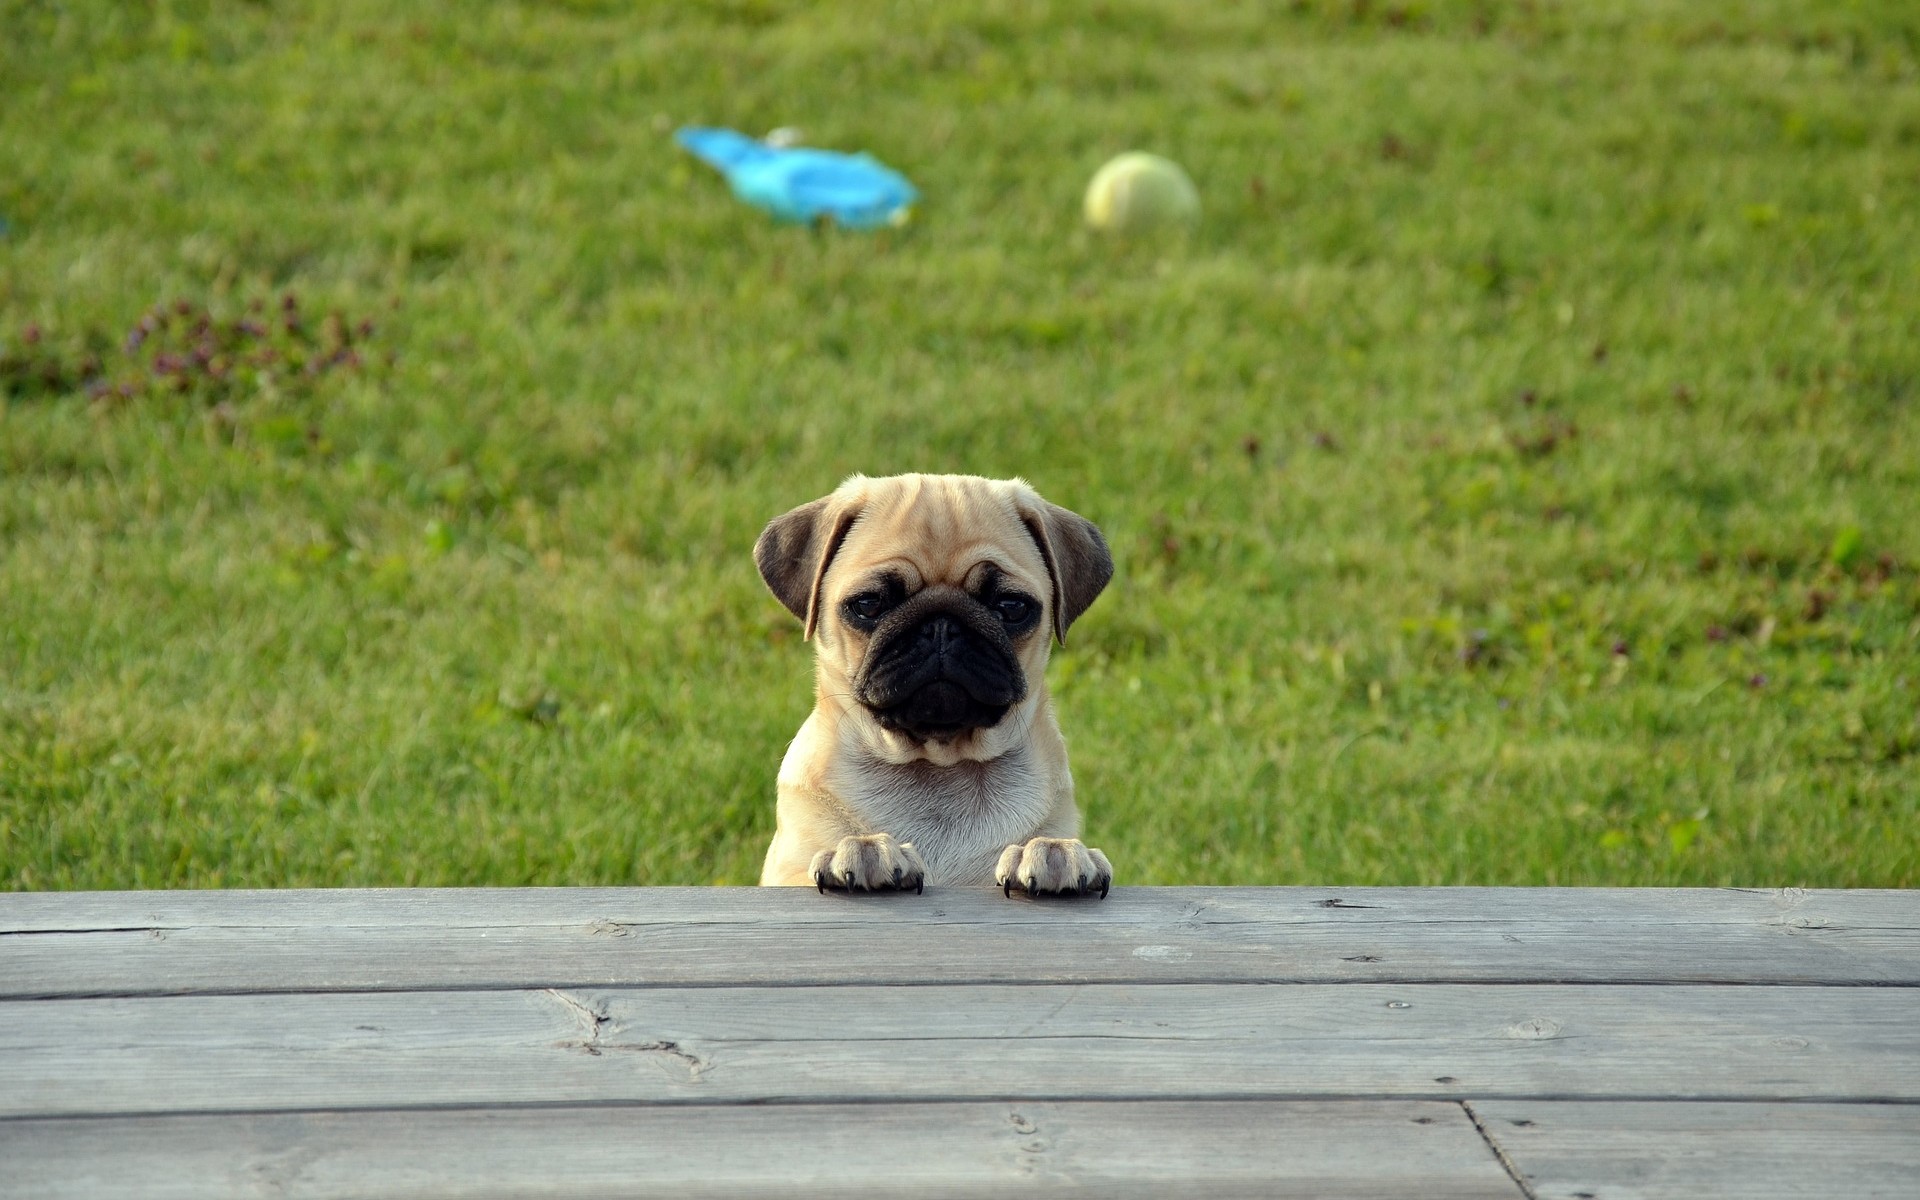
1109	1151
1346	1010
487	907
1621	1151
160	943
935	1042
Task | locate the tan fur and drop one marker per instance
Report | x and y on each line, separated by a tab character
867	805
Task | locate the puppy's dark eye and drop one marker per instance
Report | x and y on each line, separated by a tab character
865	608
1012	609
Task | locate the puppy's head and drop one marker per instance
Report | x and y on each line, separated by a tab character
934	599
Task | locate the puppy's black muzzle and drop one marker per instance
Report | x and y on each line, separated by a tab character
939	665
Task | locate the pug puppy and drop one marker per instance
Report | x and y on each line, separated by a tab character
932	754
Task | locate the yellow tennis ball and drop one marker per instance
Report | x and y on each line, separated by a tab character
1140	191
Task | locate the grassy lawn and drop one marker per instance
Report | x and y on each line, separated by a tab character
1515	479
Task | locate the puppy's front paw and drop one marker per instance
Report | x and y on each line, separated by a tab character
870	862
1054	865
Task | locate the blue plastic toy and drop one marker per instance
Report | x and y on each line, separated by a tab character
799	184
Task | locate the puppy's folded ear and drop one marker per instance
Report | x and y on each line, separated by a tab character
796	548
1076	554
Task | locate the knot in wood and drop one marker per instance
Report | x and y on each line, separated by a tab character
1535	1029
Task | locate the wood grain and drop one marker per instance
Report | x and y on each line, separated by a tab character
940	1042
1110	1151
1653	1151
307	907
166	943
1600	1044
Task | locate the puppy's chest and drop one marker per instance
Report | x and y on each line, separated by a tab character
958	817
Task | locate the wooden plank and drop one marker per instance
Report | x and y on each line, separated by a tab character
354	941
202	959
1111	1151
27	912
1648	1151
345	1050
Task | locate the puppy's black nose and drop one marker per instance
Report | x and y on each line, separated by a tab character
940	635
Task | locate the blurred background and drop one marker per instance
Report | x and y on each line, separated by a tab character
1514	477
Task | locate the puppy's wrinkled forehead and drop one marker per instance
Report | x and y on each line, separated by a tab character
934	530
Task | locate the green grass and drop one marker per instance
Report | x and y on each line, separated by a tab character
1516	335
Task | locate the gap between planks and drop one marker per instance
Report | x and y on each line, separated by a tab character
576	985
1450	1099
1506	1164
